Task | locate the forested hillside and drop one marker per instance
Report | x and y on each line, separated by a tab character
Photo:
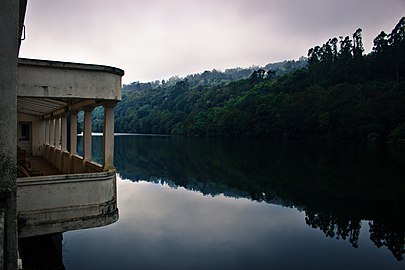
215	77
341	93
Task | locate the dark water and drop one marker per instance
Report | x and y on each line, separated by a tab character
191	203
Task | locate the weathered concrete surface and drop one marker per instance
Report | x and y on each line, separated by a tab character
41	78
59	203
8	96
9	42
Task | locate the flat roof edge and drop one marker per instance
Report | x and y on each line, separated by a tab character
69	65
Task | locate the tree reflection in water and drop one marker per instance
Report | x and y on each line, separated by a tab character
335	227
338	185
392	236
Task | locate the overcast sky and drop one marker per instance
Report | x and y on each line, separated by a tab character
156	39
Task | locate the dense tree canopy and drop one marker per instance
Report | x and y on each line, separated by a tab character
339	94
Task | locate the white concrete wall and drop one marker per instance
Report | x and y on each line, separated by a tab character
59	191
38	132
40	78
58	203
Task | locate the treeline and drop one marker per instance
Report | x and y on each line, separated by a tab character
216	77
341	94
138	94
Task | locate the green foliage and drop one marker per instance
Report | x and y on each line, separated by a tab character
340	94
190	105
397	135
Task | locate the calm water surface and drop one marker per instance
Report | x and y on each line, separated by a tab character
191	203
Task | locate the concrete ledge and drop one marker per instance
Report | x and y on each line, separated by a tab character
64	225
62	80
64	178
68	65
64	191
58	203
92	166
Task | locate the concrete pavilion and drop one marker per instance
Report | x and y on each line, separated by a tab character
56	189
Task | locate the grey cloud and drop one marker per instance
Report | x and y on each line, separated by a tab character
154	39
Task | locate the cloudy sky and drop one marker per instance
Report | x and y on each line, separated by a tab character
156	39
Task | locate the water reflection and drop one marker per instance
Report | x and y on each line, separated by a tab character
338	185
42	252
344	189
162	227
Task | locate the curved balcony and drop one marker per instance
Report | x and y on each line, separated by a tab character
68	192
59	203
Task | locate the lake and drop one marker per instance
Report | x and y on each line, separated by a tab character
197	203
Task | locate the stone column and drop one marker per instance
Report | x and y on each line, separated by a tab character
108	137
47	131
57	132
52	132
87	135
64	156
64	133
73	133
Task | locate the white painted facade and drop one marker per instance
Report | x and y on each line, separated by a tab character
83	193
41	95
41	78
60	203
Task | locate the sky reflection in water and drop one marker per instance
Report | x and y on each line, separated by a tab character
165	228
354	193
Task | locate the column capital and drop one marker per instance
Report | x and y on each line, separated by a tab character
109	103
73	113
88	109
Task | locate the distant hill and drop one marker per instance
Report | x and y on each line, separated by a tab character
206	78
339	93
217	77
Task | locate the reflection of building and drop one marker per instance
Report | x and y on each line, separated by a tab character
56	189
